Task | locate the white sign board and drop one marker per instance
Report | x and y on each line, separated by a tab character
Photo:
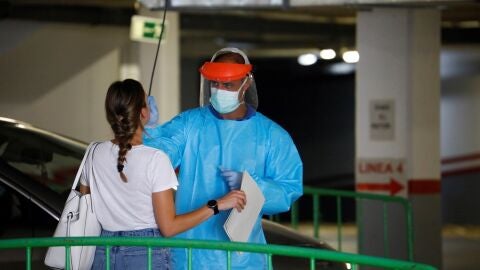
382	124
146	29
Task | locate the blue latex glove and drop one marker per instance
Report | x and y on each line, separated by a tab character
233	178
153	111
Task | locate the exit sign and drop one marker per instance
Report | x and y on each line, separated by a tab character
146	29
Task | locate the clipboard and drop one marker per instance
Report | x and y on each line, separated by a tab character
239	225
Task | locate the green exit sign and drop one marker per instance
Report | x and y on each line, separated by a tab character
146	29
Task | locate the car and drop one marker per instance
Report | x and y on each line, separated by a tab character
37	169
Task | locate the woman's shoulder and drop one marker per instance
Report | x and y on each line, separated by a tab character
101	145
154	158
152	152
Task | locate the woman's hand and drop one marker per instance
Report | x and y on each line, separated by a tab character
234	199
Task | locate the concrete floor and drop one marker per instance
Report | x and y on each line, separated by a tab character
461	244
461	247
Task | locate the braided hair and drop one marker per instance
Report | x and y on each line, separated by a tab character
123	106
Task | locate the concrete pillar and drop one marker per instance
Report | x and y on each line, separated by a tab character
397	128
166	81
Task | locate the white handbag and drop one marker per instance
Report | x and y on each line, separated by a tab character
77	219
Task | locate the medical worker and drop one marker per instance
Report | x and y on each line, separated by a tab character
213	144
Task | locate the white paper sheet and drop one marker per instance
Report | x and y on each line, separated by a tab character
239	224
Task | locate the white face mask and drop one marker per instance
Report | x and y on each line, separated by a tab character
225	101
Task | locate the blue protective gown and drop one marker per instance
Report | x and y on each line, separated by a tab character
198	143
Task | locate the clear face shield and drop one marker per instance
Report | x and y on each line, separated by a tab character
234	78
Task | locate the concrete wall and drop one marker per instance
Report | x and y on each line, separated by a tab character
460	131
166	80
55	76
460	107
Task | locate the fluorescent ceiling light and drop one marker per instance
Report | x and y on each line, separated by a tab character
327	54
307	59
351	56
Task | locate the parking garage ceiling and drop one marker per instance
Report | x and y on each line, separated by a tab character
262	29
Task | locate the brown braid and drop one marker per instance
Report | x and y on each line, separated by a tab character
123	106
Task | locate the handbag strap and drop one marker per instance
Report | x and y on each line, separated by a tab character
80	169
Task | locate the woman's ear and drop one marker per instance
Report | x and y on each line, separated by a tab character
145	114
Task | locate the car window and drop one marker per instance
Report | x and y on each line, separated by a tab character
21	218
40	157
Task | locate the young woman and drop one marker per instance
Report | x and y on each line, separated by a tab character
131	184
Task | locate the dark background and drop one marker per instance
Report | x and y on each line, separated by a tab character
317	108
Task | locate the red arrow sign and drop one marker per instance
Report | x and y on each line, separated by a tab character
394	186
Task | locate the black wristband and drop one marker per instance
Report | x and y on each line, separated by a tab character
212	204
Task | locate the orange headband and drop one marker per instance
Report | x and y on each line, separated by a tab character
224	72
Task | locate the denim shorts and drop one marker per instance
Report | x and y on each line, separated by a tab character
126	258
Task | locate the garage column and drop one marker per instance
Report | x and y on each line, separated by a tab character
397	129
166	81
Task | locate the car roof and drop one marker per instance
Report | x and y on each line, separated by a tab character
45	198
4	121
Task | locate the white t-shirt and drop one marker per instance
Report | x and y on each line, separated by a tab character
121	206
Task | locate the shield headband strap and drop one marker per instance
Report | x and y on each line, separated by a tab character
224	72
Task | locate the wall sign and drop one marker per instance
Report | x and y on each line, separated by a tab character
382	124
381	175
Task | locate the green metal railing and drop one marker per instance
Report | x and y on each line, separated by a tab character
310	254
316	193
